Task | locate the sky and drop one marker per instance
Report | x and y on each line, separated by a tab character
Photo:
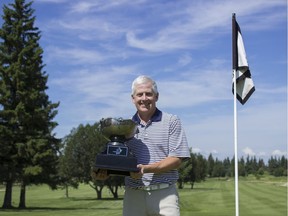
94	49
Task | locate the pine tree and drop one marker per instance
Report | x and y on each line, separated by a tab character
29	149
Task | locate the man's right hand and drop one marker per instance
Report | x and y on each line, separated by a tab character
99	174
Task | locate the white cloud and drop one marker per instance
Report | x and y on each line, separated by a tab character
156	44
214	152
185	59
258	133
51	1
262	154
101	5
74	55
83	6
279	153
196	150
248	151
187	31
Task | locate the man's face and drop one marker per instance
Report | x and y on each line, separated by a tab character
145	99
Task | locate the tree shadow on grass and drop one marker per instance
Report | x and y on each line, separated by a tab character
31	209
95	199
84	199
204	189
198	189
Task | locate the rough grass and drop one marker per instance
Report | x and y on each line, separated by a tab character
265	197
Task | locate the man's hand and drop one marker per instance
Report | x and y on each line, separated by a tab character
141	168
99	174
139	174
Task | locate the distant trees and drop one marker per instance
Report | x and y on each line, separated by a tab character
81	147
277	166
198	168
250	165
28	147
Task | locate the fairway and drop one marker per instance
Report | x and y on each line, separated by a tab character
212	197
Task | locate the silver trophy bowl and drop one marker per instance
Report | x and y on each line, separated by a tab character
113	127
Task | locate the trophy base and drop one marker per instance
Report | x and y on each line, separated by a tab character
116	165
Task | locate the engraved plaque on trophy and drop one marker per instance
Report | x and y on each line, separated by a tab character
116	157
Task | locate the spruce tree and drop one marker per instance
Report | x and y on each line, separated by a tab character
29	149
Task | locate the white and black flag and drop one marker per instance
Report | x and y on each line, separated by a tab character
244	83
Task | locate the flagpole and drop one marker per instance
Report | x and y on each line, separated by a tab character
236	148
235	63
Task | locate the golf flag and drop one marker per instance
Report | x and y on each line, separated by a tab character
244	84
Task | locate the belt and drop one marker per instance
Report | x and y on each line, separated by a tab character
152	187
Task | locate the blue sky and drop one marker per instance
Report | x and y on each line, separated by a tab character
94	49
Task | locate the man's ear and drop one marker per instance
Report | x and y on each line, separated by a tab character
157	96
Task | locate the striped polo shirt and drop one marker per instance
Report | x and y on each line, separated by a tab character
161	137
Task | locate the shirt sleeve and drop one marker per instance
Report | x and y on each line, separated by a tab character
178	145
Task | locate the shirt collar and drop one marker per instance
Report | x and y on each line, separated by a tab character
157	116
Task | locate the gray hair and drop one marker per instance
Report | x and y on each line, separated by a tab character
143	80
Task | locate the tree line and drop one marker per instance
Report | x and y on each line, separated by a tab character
85	142
30	152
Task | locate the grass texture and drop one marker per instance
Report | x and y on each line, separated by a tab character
215	197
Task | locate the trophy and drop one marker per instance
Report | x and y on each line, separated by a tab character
116	157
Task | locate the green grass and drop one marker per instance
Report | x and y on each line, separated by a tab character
265	197
218	198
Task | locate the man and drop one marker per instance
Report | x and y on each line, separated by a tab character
160	145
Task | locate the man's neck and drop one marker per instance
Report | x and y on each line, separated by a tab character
145	117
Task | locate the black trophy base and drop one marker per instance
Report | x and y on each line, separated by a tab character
116	165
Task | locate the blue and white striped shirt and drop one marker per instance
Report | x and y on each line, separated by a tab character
161	137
